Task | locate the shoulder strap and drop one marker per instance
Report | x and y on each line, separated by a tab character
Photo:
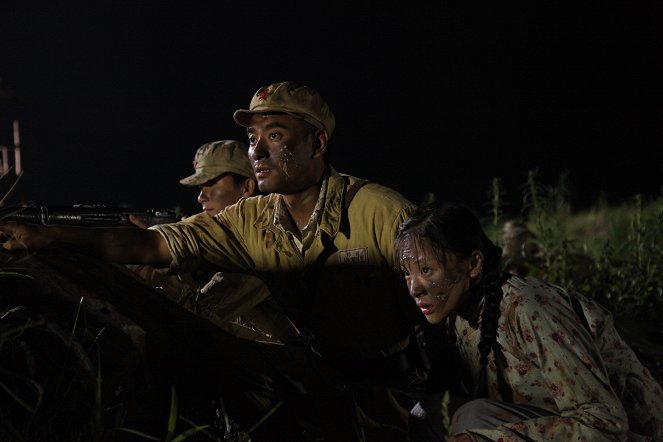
328	244
350	192
310	277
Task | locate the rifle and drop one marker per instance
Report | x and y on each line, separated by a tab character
90	215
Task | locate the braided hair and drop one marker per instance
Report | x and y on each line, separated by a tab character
454	228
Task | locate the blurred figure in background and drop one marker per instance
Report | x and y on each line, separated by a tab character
521	249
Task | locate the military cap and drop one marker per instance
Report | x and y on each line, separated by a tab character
290	98
219	157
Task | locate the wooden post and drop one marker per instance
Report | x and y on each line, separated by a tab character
4	165
17	150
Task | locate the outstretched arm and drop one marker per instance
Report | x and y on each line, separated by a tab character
117	244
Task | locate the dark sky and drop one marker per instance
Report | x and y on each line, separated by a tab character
114	98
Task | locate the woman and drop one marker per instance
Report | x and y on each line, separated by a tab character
536	362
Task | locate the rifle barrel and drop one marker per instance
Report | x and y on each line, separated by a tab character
80	215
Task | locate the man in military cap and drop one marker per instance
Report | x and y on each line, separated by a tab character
323	243
238	303
223	173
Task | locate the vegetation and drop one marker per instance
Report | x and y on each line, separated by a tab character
614	254
55	386
58	385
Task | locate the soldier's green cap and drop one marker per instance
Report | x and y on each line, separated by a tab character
290	98
219	157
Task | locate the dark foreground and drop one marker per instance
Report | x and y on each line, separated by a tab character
87	347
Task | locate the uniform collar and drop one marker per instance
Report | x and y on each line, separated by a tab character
330	218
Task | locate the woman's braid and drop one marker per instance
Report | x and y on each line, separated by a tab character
490	289
454	228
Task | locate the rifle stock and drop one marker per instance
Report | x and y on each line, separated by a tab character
95	215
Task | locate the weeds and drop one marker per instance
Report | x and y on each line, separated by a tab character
614	255
629	273
173	418
51	383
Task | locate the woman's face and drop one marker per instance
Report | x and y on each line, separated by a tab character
438	288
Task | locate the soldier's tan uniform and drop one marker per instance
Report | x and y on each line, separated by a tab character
361	309
238	303
335	276
355	313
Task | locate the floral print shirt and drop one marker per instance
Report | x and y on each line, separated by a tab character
551	360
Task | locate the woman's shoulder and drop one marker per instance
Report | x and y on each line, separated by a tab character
523	285
527	292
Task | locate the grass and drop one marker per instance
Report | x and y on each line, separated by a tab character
613	254
52	386
55	384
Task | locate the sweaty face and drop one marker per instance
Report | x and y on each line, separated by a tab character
218	193
281	152
436	287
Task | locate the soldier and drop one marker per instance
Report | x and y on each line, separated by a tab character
323	243
521	250
238	303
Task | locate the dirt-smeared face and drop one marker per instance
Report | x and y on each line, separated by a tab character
215	195
438	288
281	149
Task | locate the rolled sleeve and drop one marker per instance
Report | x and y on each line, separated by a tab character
183	246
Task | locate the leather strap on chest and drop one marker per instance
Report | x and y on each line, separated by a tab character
327	241
311	274
351	191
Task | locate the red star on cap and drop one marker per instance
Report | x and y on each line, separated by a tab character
263	93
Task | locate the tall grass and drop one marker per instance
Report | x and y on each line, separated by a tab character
52	384
613	254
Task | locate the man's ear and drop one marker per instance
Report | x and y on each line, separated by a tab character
476	263
249	187
320	140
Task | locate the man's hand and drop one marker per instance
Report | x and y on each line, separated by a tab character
137	221
15	236
124	245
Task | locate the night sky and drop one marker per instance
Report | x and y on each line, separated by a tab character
113	98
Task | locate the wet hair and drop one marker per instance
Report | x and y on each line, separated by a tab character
454	228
